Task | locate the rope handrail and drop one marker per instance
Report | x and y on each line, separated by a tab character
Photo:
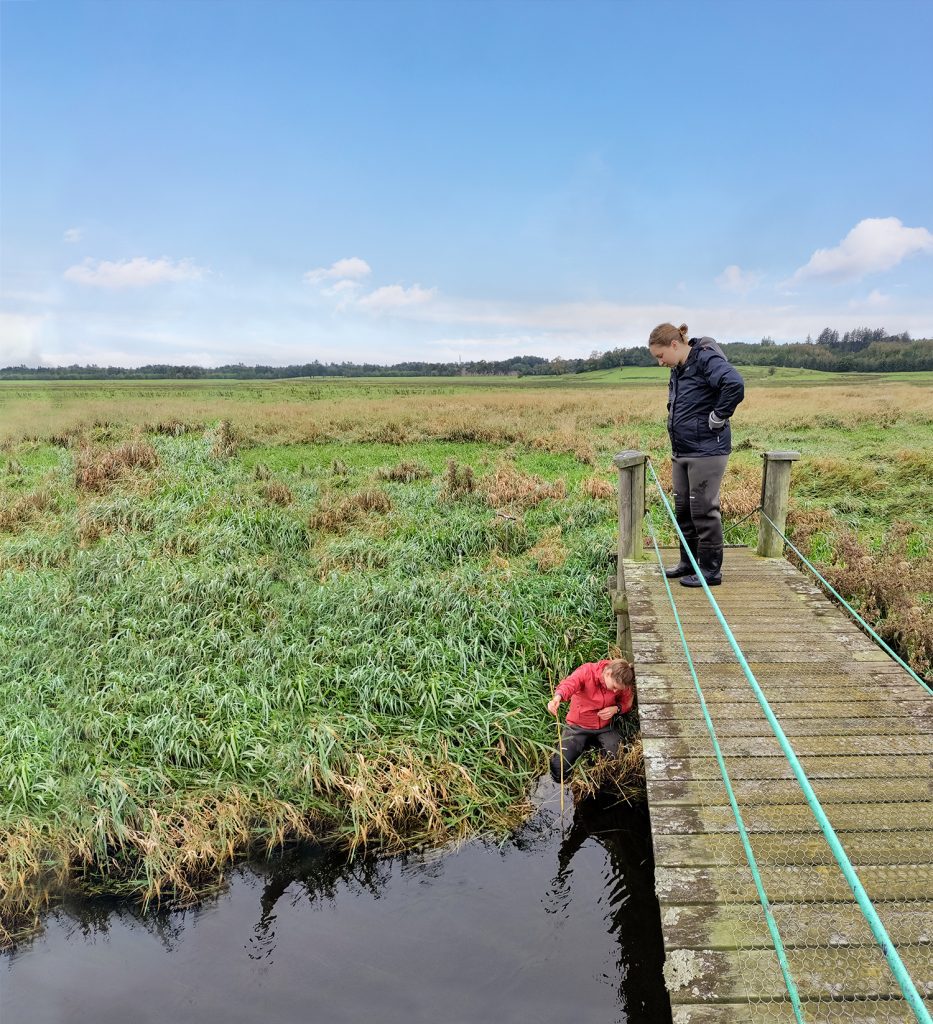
845	603
907	986
733	803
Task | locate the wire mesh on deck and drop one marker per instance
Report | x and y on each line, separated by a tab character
865	741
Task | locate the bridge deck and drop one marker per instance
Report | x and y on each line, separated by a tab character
863	730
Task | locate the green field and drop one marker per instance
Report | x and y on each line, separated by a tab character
235	612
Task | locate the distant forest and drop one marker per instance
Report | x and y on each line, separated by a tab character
863	350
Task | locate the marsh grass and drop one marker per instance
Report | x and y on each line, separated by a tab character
191	669
208	673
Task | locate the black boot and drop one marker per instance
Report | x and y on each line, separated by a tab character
710	560
683	567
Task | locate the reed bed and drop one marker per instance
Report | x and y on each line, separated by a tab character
203	671
232	618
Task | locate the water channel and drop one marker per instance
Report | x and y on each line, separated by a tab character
557	923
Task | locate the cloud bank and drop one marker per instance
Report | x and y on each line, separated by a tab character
873	245
139	272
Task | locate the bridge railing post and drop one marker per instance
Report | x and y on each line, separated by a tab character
775	491
631	467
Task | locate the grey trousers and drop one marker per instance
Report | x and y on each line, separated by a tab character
575	740
697	480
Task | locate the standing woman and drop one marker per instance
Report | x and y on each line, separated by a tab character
703	393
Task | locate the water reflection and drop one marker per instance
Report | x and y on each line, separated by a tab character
560	921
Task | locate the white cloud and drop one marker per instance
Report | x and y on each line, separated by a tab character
394	296
874	244
21	336
735	279
875	299
139	272
73	235
351	268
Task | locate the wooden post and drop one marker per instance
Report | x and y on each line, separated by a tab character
631	467
775	488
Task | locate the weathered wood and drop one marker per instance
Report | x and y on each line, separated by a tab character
775	489
697	976
863	731
712	850
799	883
895	766
750	792
886	1011
708	926
631	467
794	817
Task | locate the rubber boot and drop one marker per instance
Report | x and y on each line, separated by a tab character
683	567
710	560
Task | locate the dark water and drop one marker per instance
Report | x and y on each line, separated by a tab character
559	923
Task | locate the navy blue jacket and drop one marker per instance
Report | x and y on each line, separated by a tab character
706	382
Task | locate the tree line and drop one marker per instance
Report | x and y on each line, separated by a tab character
863	350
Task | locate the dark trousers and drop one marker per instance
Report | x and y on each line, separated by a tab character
697	480
574	742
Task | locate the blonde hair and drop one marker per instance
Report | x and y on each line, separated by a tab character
622	671
664	334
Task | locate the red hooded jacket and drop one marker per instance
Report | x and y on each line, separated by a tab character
587	693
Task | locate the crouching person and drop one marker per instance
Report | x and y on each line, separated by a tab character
599	693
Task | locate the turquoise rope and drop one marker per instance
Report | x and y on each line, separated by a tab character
733	803
858	891
846	604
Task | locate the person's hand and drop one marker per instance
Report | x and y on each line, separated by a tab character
604	714
715	423
553	706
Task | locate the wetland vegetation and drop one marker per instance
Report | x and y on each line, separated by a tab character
240	613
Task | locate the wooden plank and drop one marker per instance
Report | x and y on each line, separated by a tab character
708	926
792	817
886	1011
758	726
711	850
763	746
795	883
660	765
697	976
777	791
868	707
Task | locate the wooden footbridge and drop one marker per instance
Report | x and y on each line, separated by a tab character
760	922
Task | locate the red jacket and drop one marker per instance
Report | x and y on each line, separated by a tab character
587	693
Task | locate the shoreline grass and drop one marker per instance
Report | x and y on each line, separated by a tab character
229	622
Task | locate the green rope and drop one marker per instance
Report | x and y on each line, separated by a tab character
846	604
858	891
733	803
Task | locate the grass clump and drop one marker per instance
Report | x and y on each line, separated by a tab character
404	472
458	481
98	469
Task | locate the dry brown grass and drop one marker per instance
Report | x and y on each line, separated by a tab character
885	585
404	472
622	776
508	487
15	513
560	420
338	514
458	481
274	492
99	469
598	487
549	553
227	440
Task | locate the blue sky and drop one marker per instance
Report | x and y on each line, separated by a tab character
212	180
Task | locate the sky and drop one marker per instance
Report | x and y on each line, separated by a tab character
215	181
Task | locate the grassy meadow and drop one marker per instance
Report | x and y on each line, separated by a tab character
237	613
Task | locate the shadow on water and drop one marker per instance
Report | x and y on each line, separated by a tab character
560	922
